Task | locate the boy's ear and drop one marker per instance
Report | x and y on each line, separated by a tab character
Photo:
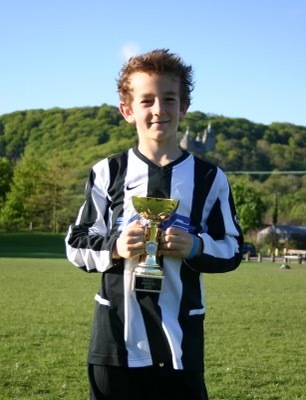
183	111
127	113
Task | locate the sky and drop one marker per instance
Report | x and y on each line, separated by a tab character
248	56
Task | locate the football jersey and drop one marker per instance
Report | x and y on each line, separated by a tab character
135	328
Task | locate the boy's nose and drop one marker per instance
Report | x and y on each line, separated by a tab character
157	107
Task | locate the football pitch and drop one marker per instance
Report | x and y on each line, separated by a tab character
255	331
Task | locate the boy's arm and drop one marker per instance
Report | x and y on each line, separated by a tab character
89	244
222	240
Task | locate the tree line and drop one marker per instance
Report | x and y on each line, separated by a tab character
46	155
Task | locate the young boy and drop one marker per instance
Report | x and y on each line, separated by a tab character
149	344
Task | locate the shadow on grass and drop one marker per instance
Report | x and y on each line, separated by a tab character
32	245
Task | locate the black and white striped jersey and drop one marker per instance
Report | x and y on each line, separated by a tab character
137	329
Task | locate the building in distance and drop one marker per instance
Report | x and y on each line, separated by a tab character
201	143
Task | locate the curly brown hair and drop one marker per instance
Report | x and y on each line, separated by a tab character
159	61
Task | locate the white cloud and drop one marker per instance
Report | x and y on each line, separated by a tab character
129	50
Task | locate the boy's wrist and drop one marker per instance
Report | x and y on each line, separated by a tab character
197	247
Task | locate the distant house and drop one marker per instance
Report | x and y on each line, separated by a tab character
202	143
284	233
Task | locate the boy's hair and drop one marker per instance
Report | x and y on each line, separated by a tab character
159	62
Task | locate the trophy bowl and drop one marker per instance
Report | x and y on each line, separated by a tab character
148	275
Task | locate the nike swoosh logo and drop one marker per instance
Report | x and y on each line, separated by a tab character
133	187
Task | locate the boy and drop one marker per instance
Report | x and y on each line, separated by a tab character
149	345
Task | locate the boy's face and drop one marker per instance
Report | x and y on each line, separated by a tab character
155	108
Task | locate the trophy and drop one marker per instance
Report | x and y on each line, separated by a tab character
148	275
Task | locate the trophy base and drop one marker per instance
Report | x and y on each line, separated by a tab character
147	283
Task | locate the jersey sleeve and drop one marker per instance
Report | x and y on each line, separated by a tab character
222	236
89	241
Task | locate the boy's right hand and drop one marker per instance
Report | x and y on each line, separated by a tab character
131	242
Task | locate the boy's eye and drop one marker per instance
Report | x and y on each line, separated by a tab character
149	102
146	101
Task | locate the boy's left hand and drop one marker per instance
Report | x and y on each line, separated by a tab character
176	242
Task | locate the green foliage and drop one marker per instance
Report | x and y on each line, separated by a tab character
6	175
38	195
195	122
46	155
249	205
27	176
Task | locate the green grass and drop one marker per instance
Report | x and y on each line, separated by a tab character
255	330
46	314
256	333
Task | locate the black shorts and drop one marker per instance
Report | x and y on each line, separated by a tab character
149	383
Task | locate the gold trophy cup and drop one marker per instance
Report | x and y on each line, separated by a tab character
148	275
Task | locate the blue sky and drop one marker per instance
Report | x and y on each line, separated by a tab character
249	56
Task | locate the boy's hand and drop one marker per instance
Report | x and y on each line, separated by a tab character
176	242
131	242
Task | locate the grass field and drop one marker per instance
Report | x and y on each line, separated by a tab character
255	328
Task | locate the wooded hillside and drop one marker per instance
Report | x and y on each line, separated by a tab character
46	155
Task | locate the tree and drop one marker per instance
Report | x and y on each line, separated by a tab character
6	174
275	210
39	196
27	174
51	197
249	205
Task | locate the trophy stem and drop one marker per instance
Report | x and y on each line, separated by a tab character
148	275
149	259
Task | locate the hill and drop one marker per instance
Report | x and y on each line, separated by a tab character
47	154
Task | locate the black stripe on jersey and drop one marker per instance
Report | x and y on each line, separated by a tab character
159	184
89	213
112	289
159	347
117	168
204	175
215	222
87	219
235	219
192	341
159	178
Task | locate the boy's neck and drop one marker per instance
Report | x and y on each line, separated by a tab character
160	155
